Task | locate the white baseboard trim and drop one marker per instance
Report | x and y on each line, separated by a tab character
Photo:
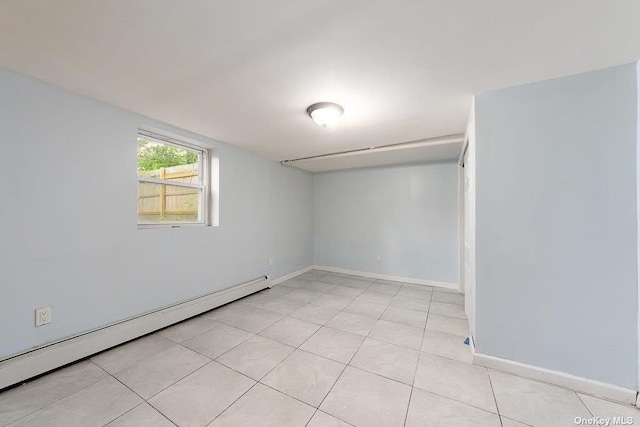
46	358
291	275
572	382
411	280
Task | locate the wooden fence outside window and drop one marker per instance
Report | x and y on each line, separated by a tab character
160	202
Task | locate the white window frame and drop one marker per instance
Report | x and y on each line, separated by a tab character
204	186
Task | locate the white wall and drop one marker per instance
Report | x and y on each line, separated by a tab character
68	235
556	266
291	223
407	214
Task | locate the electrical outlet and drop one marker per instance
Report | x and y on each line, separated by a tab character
378	257
271	259
43	316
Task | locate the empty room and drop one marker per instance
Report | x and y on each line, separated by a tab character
319	214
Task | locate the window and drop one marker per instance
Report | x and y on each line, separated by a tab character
173	182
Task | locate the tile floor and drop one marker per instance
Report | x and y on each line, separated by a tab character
320	350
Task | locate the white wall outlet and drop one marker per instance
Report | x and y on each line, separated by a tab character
271	259
378	257
43	316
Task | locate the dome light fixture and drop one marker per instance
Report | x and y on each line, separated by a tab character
326	114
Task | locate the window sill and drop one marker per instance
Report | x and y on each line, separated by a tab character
172	225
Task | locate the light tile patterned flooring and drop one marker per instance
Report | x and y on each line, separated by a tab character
320	350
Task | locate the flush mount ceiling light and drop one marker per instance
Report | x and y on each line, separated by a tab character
326	114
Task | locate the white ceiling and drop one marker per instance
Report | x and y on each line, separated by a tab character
244	71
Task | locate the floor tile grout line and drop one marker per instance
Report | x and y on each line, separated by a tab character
386	378
456	400
229	326
215	358
318	410
125	413
196	335
254	335
180	343
382	376
255	382
193	372
452	317
239	302
415	371
282	361
295	348
160	352
272	369
406	414
338	379
355	353
345	365
88	359
368	337
232	403
378	318
123	384
175	382
583	404
446	397
513	419
253	379
284	315
493	393
288	395
379	374
144	402
108	375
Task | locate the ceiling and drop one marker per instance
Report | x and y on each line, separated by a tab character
244	72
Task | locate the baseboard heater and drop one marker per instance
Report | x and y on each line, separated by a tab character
43	359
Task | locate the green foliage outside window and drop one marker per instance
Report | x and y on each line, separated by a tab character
152	156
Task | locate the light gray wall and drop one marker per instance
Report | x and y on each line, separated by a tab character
291	222
68	235
556	225
407	213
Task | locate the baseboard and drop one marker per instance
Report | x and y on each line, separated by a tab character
447	285
572	382
291	275
46	358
